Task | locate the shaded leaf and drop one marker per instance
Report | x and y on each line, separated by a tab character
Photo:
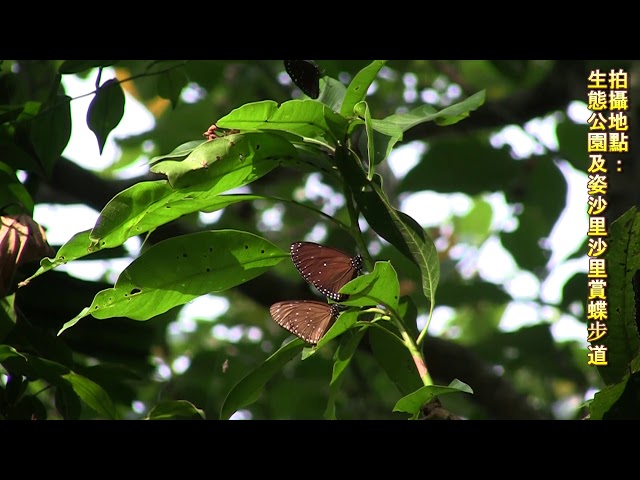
51	131
341	359
177	270
67	401
171	83
175	410
394	358
106	110
93	395
622	261
248	390
413	402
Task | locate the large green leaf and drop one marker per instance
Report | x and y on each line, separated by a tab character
306	118
106	110
622	262
357	89
426	113
398	228
248	390
92	394
175	271
227	162
380	287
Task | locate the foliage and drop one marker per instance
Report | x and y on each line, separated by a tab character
78	349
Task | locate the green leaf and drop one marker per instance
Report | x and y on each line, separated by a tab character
171	83
7	318
357	90
13	192
415	240
227	162
175	271
394	358
7	351
341	359
619	401
175	410
371	150
67	401
180	152
380	287
77	66
332	93
93	395
248	390
408	312
51	131
413	402
9	113
622	262
425	113
106	110
17	158
305	118
141	219
398	228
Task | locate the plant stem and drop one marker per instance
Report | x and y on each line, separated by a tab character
416	353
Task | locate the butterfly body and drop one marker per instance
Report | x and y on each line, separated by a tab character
306	319
306	75
326	268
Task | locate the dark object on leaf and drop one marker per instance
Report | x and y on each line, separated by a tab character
306	75
325	268
306	319
434	411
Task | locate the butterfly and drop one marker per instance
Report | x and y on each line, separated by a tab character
325	268
306	75
307	319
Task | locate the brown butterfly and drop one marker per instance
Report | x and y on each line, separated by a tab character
326	268
306	319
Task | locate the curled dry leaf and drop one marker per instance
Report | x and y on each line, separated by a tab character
21	241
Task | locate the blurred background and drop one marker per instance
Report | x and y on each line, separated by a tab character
502	193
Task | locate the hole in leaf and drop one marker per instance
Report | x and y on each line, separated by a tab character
134	291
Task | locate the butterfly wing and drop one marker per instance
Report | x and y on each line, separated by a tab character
306	75
326	268
306	319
